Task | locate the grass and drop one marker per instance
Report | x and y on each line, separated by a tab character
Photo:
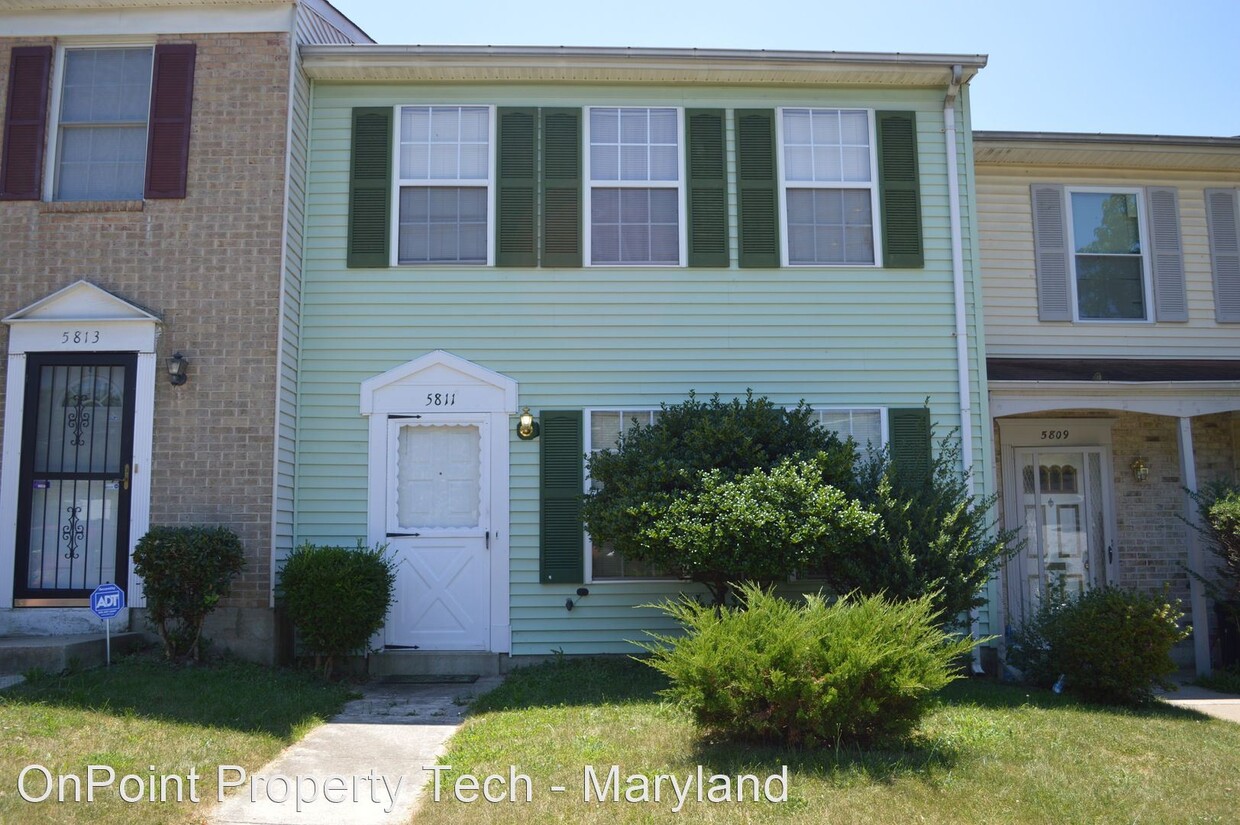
986	753
141	713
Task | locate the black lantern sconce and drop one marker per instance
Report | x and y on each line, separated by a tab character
527	427
569	604
177	365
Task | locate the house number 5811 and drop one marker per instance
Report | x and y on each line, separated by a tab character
441	399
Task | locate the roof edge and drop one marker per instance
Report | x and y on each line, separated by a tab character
971	61
984	136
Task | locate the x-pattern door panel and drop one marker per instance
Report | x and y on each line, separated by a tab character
439	530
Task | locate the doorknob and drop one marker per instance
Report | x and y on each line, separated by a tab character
125	478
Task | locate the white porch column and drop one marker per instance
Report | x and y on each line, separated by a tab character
1197	596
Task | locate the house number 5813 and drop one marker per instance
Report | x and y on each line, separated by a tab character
441	399
80	336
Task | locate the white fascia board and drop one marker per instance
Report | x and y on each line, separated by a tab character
257	17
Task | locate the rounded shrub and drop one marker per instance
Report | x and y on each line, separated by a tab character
1109	645
185	572
856	669
337	597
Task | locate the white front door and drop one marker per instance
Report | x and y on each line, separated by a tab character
1061	495
439	529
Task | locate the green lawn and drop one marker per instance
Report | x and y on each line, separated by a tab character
143	713
987	753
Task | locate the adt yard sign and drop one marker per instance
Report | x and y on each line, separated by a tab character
107	601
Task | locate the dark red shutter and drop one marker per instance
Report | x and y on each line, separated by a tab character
167	141
25	123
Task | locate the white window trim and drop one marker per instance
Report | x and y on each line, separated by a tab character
884	430
51	161
588	184
875	215
1143	237
398	182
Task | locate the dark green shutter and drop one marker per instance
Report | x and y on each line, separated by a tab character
899	191
757	188
561	189
516	195
370	188
910	441
707	175
561	482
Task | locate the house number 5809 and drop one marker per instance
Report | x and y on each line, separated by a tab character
441	399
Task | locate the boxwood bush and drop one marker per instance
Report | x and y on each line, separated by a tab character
810	674
185	572
336	597
1110	645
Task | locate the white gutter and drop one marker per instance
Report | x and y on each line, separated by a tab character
962	327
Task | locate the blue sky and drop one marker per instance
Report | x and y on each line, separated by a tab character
1137	66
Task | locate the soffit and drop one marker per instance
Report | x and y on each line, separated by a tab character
1102	151
536	64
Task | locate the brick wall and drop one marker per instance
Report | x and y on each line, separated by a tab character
209	265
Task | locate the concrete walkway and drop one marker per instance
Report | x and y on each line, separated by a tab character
1220	705
364	766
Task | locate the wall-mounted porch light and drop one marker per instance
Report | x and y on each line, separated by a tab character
527	427
177	365
1140	470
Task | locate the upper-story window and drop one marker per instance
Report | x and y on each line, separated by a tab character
1110	273
444	185
634	186
105	99
829	193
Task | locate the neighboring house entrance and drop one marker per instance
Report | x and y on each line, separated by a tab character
75	478
438	497
76	473
439	528
1058	491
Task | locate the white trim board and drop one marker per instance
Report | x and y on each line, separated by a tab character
238	18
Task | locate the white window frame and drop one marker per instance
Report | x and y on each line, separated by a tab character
884	431
785	185
51	161
454	183
587	546
588	186
1143	236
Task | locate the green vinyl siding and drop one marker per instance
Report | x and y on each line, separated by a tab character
621	337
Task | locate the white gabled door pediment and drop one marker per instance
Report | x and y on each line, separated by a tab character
82	318
439	382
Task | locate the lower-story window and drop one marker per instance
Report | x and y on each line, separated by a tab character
606	428
867	426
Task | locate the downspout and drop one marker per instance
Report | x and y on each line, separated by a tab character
962	327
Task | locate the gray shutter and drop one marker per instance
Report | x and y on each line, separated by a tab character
1050	253
1223	219
1167	253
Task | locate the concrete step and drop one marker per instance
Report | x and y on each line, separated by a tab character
398	662
54	654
